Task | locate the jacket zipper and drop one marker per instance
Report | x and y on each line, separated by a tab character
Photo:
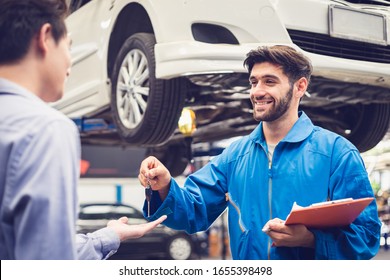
269	200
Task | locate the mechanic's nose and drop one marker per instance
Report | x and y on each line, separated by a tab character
257	89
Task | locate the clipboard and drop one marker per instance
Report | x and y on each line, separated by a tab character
334	213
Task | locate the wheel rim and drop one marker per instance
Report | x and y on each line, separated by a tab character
180	249
133	89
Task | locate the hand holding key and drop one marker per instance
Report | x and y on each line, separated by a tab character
155	175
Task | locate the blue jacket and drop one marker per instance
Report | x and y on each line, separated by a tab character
309	165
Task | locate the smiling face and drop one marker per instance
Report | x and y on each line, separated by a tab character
271	93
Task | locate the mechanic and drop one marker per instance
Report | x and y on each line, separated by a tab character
286	159
39	146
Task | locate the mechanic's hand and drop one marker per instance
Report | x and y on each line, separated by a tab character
126	231
152	171
288	236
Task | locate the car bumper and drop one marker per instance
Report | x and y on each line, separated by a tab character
192	58
178	53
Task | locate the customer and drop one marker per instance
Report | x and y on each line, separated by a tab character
39	147
286	159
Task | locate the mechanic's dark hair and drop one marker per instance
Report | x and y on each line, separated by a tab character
294	64
21	20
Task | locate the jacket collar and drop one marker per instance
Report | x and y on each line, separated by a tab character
299	132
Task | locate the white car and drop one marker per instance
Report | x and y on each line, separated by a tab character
136	64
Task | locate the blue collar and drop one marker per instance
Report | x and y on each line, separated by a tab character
299	132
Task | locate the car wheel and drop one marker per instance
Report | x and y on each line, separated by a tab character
363	125
145	109
179	248
372	126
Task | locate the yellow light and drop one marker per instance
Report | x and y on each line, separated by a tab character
187	122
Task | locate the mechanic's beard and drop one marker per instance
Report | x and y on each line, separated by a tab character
278	110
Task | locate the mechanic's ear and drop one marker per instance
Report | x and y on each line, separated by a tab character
300	87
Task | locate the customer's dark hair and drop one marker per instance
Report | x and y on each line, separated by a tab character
21	20
294	64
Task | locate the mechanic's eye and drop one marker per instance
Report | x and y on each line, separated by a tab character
270	82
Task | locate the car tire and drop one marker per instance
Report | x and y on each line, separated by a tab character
179	248
366	124
145	109
371	127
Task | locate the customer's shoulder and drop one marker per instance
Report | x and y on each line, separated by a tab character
35	115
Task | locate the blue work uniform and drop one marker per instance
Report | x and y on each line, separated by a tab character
309	165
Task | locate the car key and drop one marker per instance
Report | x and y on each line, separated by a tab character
148	194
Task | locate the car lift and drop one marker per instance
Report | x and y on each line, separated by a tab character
94	125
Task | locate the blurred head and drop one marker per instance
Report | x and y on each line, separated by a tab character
21	20
33	36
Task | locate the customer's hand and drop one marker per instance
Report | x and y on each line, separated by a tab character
152	171
126	231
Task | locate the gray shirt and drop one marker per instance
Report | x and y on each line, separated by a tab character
39	172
